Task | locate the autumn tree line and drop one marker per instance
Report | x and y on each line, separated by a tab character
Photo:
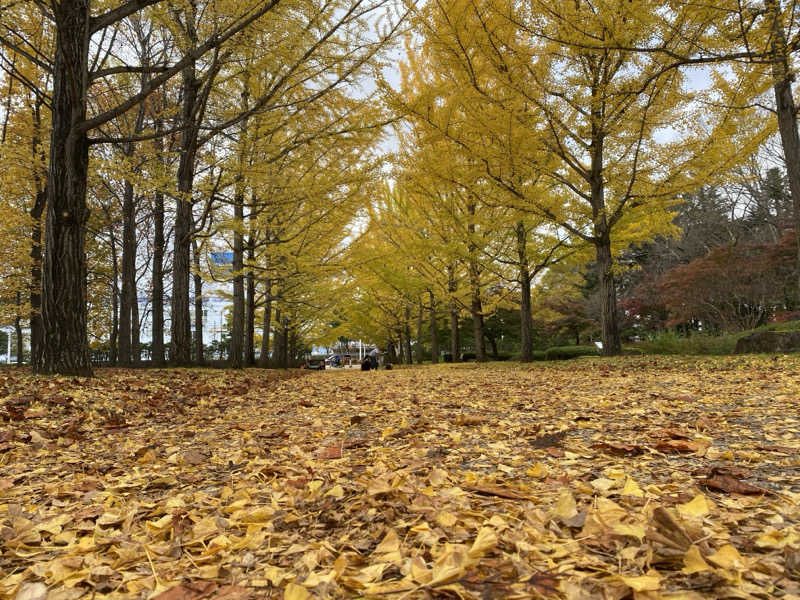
534	149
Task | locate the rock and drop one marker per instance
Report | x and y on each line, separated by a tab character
769	341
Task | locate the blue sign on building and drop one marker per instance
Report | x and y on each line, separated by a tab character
222	258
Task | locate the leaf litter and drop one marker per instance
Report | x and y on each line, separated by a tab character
639	477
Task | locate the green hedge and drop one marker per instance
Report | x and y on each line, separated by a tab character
567	352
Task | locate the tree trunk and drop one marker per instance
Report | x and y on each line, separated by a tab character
198	307
420	354
526	320
237	330
112	342
180	330
434	332
36	325
128	294
265	327
608	298
786	110
18	330
284	343
391	352
277	351
136	342
250	307
66	349
157	353
455	341
407	335
477	325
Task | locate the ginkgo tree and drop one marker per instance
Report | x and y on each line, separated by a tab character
615	133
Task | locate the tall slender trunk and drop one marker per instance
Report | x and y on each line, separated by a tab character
407	335
180	329
420	315
391	352
602	231
786	111
136	342
115	297
277	351
18	329
455	340
266	324
434	332
237	331
284	358
525	320
128	294
64	312
198	306
292	346
40	202
157	352
250	305
476	307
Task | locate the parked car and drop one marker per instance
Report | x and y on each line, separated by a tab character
315	363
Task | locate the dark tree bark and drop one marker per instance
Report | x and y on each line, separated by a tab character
783	75
198	307
237	330
420	316
526	319
476	307
434	332
391	352
266	324
128	294
36	325
477	324
409	359
180	329
115	293
277	350
250	306
284	357
157	354
18	329
455	341
66	348
608	297
136	343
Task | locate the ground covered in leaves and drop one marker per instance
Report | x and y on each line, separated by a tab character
637	478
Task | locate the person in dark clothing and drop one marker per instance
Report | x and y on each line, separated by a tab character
366	364
373	357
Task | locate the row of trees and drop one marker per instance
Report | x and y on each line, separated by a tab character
141	136
560	133
535	138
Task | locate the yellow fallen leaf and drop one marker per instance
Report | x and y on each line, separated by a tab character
642	583
537	471
631	488
446	519
566	508
698	507
275	575
694	562
335	492
773	538
390	543
485	541
296	592
728	557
